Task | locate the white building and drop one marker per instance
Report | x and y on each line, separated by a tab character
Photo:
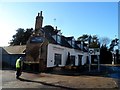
47	47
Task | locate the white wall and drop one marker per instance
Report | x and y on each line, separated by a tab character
52	49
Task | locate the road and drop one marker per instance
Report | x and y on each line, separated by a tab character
30	80
115	74
9	81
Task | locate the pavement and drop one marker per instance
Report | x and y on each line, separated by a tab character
75	81
9	82
72	81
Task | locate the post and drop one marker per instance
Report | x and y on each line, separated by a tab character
98	63
89	63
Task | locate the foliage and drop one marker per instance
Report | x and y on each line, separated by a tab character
84	37
114	43
21	36
92	41
117	57
105	52
105	55
105	41
49	28
94	45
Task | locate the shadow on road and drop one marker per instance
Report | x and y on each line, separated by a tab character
48	84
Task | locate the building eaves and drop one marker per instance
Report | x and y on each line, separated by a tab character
69	38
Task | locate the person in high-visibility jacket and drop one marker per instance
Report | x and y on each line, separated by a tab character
18	67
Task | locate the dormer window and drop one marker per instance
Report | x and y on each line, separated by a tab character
78	45
55	37
73	42
70	42
81	45
58	39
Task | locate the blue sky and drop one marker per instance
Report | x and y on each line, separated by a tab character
74	19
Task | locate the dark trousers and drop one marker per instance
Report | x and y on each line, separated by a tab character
18	73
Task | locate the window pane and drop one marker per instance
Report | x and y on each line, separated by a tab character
58	39
79	60
72	58
58	58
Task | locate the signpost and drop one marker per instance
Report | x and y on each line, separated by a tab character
94	51
89	62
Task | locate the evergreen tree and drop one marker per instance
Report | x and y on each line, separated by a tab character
21	36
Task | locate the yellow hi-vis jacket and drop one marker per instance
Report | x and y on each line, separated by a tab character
18	65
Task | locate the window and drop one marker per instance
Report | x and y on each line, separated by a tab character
81	45
58	59
54	36
73	43
69	42
79	60
72	59
58	39
78	45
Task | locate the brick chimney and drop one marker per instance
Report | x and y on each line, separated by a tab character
38	23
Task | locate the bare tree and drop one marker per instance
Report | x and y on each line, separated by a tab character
104	41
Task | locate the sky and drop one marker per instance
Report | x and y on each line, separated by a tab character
72	18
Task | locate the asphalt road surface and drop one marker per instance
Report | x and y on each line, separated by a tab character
116	74
9	81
